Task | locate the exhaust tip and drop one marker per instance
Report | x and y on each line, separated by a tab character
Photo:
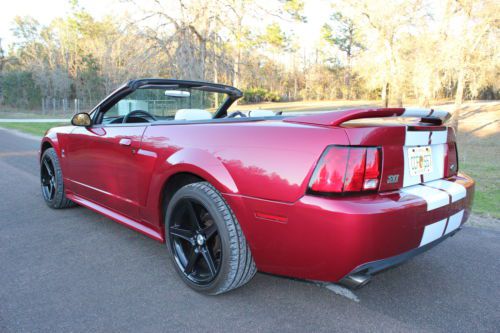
355	281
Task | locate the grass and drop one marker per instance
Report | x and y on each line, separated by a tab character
479	154
478	142
37	129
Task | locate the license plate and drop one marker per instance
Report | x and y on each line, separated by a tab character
420	159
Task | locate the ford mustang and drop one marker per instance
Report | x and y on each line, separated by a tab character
330	196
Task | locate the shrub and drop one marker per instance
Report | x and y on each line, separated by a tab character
257	95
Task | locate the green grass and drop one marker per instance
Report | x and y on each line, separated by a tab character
479	159
486	202
38	129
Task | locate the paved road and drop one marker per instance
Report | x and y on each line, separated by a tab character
34	120
73	270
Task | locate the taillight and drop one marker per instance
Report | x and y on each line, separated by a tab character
347	169
450	160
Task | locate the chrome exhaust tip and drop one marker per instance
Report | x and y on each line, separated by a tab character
355	281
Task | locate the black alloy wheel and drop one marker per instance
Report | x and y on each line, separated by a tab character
48	178
207	246
51	181
195	241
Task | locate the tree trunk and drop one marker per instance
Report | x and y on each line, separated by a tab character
459	97
216	80
203	55
236	69
385	94
348	76
236	72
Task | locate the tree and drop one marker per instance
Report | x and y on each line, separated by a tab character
387	24
343	34
471	33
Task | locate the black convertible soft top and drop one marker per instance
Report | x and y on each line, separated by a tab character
127	88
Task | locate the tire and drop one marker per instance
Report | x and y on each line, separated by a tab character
51	179
231	257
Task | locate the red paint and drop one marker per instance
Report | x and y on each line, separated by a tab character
340	117
263	169
271	217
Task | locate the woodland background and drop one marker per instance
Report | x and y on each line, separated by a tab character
392	51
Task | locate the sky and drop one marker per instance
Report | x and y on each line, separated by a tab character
316	11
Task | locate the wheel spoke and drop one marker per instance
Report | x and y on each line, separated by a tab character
182	233
193	217
209	260
210	230
51	190
193	256
47	167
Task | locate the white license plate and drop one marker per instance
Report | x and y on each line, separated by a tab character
420	159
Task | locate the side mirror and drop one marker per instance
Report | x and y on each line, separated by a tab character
81	119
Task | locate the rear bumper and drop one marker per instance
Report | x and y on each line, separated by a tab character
375	267
326	239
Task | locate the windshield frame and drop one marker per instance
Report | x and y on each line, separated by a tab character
233	94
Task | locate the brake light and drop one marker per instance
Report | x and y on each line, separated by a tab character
372	170
347	169
450	160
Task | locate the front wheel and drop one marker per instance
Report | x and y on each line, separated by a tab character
51	180
205	241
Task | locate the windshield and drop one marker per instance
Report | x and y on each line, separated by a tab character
166	103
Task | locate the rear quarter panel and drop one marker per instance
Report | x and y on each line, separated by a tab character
270	160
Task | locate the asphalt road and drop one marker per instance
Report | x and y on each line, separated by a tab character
76	271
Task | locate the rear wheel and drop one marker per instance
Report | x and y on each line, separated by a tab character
205	241
51	180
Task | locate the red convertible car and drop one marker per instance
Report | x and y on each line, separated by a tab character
334	196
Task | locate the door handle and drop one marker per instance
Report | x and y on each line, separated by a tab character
125	142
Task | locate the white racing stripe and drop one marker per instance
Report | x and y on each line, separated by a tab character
408	179
437	141
416	138
437	171
415	112
441	114
435	198
456	190
423	113
432	232
454	221
437	230
439	137
421	138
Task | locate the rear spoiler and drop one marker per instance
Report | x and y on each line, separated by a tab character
336	118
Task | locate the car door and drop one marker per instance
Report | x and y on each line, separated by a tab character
101	165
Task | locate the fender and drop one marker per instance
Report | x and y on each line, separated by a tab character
51	139
55	137
188	160
214	171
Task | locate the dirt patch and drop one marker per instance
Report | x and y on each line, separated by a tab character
484	221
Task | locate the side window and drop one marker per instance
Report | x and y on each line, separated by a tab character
164	104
